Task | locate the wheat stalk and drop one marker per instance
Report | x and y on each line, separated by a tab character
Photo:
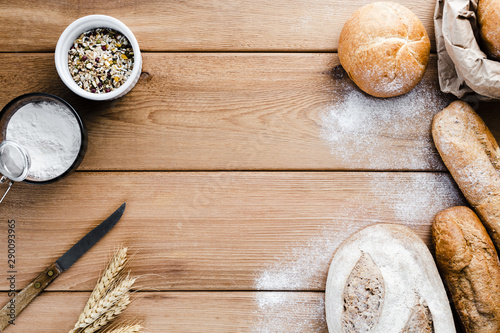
114	268
104	288
108	301
111	314
130	328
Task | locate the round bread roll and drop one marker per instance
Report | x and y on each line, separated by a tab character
384	48
488	13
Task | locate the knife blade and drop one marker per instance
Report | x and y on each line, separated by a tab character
79	249
13	308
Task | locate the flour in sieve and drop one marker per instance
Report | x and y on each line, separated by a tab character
51	135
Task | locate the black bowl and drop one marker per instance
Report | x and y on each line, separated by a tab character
22	100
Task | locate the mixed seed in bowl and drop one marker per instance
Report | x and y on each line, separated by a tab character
101	60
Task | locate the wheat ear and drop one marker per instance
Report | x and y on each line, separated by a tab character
112	271
108	300
114	268
108	316
131	328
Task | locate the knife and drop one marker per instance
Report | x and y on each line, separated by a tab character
13	308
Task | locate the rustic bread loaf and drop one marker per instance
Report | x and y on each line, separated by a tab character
469	264
471	154
488	14
384	48
383	279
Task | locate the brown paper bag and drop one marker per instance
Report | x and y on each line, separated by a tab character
464	70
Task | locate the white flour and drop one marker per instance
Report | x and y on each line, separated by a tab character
50	134
290	312
411	199
417	197
303	267
379	134
384	133
404	198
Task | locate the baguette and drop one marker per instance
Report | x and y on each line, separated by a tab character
471	154
383	279
469	264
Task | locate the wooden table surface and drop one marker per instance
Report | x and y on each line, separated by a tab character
244	153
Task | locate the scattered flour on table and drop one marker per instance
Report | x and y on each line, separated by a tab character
404	198
284	312
302	267
359	128
416	197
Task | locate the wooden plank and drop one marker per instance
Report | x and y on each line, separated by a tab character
230	111
215	230
203	25
188	312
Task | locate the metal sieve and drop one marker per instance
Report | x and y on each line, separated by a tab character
14	164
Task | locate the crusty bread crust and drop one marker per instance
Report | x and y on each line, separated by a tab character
469	264
488	14
392	272
471	154
384	48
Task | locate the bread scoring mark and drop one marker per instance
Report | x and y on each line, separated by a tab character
405	43
377	41
390	75
385	54
420	320
423	39
363	296
492	152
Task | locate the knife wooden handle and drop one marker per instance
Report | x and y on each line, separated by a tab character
13	308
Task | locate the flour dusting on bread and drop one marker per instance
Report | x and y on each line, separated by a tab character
471	154
384	48
414	298
469	264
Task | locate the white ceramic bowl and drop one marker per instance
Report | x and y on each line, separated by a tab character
72	32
